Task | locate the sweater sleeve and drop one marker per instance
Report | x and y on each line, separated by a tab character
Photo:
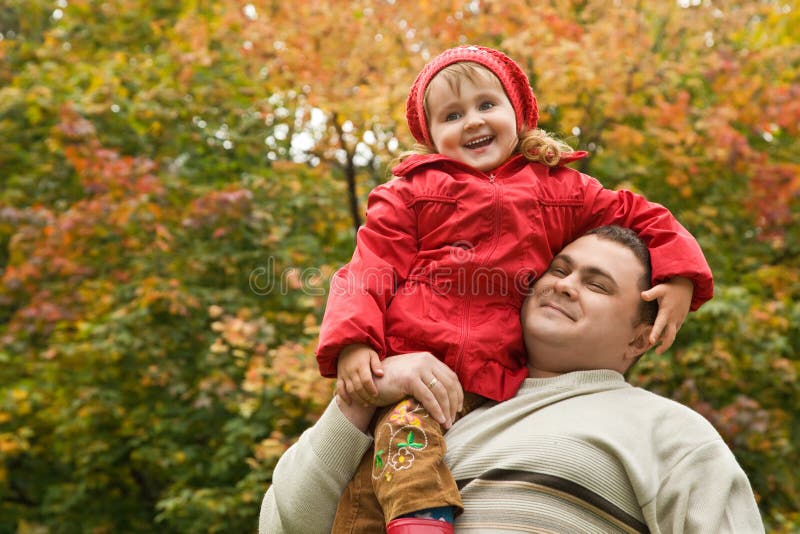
673	250
361	291
310	477
707	491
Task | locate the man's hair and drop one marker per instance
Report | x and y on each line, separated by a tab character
628	238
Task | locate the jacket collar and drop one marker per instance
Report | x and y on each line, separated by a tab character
418	161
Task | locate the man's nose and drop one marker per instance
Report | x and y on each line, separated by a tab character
566	286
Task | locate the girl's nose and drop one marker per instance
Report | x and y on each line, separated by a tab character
474	120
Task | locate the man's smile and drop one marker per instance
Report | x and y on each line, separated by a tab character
551	304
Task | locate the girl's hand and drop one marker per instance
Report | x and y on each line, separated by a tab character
357	363
674	298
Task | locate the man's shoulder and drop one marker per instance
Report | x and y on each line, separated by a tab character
670	412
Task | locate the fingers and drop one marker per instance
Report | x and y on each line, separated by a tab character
357	393
451	388
668	338
375	364
354	369
367	385
658	327
440	392
666	326
448	393
662	316
341	391
356	388
430	401
674	300
361	394
652	294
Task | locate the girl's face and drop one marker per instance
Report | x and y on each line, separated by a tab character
472	120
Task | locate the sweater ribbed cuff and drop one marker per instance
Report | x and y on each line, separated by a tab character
337	442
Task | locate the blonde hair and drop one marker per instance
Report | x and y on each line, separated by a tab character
535	145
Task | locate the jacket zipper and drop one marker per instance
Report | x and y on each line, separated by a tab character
465	324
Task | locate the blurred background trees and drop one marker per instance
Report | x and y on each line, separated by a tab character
181	178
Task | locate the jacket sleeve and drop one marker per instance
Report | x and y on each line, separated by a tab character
673	250
360	292
707	491
311	476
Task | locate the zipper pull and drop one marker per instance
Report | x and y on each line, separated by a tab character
491	178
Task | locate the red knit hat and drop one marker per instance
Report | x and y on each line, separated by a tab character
511	76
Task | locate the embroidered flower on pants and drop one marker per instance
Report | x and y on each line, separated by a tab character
398	453
399	439
402	459
403	414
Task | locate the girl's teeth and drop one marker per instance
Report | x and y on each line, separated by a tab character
479	141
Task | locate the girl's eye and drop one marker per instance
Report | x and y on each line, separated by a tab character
486	105
598	287
558	271
452	116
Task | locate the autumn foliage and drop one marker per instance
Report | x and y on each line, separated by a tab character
180	179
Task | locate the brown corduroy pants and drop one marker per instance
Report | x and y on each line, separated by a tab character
404	473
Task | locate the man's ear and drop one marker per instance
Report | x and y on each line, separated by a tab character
640	343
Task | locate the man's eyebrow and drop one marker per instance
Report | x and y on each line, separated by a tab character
565	258
593	270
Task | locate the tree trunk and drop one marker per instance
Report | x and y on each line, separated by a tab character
349	173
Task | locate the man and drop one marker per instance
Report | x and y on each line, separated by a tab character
576	450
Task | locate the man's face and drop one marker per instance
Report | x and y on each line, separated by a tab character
582	311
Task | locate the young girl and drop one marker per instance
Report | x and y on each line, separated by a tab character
448	251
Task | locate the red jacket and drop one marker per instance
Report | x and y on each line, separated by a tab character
447	253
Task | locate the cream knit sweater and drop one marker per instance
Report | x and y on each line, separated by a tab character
581	452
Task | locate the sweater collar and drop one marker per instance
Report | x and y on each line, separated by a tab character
577	379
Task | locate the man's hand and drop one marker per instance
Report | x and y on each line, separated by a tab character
422	376
354	370
674	299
